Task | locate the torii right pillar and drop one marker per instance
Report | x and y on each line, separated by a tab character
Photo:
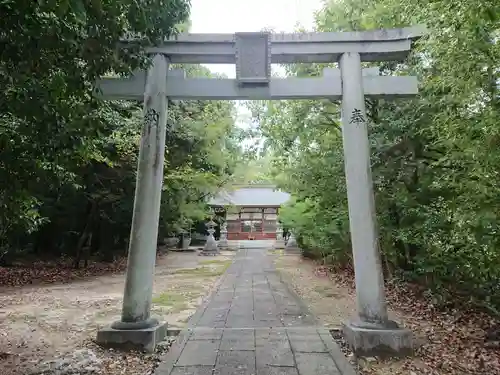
370	333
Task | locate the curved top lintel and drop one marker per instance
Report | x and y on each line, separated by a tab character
413	32
380	35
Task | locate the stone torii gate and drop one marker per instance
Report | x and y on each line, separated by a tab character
371	330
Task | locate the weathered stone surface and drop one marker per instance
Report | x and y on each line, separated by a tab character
207	334
275	356
212	315
254	325
222	298
267	323
223	242
389	342
316	363
139	339
290	310
238	339
364	338
297	320
291	245
274	370
238	323
235	363
273	319
192	370
210	247
262	335
199	353
306	342
242	307
212	324
344	366
274	351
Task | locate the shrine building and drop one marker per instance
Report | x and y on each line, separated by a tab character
250	211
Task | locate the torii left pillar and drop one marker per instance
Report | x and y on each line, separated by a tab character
136	328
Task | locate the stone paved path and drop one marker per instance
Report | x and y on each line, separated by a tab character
252	324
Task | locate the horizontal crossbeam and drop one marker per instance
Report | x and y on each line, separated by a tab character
376	45
328	86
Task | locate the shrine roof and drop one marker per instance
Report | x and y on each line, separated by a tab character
251	195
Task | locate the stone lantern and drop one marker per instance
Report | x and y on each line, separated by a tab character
291	244
280	242
223	244
210	247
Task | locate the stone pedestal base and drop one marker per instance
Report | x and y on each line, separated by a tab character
210	247
292	248
211	253
374	341
144	339
233	245
291	245
279	244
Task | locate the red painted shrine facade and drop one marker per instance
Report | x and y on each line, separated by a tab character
251	212
252	223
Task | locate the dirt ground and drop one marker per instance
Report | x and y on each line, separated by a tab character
313	285
38	323
447	343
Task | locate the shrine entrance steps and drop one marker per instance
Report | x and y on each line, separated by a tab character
253	324
256	244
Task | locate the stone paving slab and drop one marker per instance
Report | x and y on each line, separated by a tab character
253	324
238	339
235	362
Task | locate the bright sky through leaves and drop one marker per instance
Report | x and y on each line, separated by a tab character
212	16
229	16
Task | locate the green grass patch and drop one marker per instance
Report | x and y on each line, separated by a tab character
211	268
225	264
178	295
215	261
14	317
200	271
169	299
103	313
178	308
276	251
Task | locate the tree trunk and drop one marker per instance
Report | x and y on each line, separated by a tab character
92	208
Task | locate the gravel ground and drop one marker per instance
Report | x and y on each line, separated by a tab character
49	329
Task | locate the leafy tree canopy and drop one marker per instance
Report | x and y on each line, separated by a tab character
68	160
435	158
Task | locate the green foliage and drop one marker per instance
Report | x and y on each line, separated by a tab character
68	160
434	158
